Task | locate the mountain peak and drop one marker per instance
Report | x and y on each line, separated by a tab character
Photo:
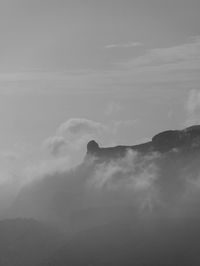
92	146
162	142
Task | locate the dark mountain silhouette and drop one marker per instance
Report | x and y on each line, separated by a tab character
163	142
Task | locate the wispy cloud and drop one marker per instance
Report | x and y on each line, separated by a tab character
113	108
73	135
178	65
55	144
79	126
123	45
193	107
125	123
183	53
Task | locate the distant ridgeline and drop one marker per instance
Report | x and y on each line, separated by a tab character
166	141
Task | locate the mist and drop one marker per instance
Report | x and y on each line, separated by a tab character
149	201
152	185
86	179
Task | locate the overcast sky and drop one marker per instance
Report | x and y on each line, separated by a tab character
116	71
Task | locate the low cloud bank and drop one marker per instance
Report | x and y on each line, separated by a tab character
136	186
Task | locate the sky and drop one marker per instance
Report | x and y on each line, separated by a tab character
115	71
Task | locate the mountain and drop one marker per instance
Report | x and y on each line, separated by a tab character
167	231
118	208
188	138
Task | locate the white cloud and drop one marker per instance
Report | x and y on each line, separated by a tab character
77	126
78	131
55	144
131	175
73	135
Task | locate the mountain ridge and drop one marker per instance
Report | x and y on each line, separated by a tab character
162	142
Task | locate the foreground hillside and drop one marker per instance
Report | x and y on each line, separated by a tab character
26	242
164	243
125	205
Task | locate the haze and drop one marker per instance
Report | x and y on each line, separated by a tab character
118	72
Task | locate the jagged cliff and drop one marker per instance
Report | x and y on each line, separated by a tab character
188	138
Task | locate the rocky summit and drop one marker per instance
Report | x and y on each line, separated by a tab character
186	139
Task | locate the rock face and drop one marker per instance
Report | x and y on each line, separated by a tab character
163	142
93	147
167	140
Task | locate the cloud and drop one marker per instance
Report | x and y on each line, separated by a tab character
113	108
184	53
55	144
178	66
54	192
132	176
154	185
73	135
126	123
10	155
193	107
77	126
151	184
123	45
120	125
35	172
